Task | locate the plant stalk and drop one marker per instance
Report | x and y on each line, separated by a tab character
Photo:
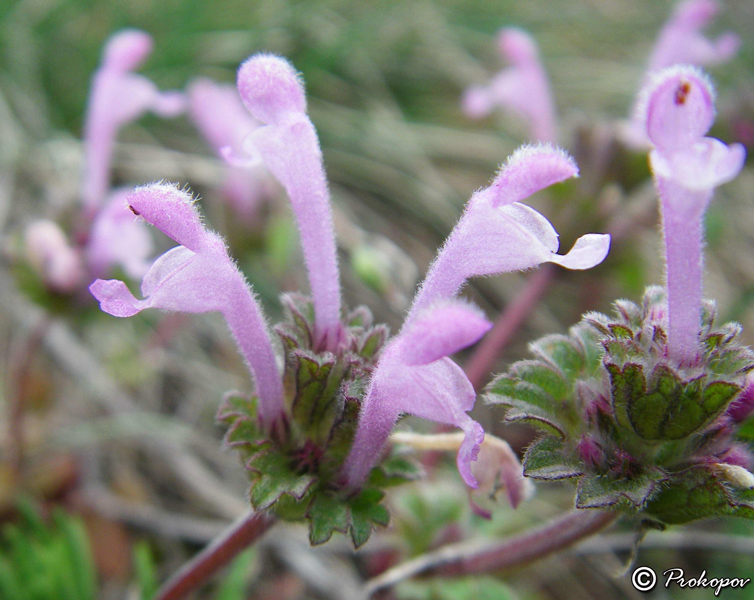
467	558
242	534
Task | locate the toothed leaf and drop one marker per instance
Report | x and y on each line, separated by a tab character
546	459
597	491
327	514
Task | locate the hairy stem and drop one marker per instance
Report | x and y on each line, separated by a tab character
242	534
480	364
479	557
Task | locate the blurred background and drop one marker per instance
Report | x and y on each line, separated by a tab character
112	421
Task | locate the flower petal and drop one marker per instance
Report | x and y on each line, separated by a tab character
681	40
220	115
200	278
704	165
172	211
441	330
529	170
680	107
271	88
127	50
522	87
117	97
57	262
115	298
588	251
273	93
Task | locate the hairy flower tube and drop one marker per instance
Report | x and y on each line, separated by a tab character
498	234
288	145
679	110
198	276
415	376
221	117
522	87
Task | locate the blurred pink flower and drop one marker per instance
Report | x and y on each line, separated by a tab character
117	97
521	88
58	263
225	123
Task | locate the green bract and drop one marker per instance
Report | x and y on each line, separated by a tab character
295	470
640	433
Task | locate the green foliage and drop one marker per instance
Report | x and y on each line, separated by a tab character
294	468
637	432
41	561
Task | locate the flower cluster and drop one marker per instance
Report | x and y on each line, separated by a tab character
643	408
105	234
312	435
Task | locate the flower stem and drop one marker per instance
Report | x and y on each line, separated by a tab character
244	532
474	557
480	364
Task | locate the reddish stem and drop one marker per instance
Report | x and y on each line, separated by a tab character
242	534
533	545
480	364
471	558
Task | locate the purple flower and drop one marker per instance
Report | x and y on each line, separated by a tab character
415	376
678	110
118	97
116	237
58	263
681	41
198	276
274	94
521	88
497	234
225	123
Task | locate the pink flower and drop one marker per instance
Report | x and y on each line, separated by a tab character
117	237
415	376
678	109
681	41
223	120
521	88
58	263
198	276
498	234
118	97
273	92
